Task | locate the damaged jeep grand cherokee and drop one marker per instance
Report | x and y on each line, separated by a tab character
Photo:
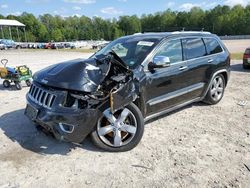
131	80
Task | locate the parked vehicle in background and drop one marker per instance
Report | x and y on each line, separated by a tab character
79	44
99	46
21	45
133	79
57	45
32	45
3	46
246	59
41	46
67	45
47	45
8	43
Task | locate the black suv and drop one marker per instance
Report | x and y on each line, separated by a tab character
131	80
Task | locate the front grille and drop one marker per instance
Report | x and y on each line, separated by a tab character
41	96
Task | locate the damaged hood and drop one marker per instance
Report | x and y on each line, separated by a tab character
78	75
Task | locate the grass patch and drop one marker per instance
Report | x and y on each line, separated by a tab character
236	56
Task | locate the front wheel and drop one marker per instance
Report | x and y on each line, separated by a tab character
121	131
216	90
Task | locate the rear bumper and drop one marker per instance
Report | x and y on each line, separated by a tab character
246	62
66	124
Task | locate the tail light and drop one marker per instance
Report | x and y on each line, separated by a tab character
246	56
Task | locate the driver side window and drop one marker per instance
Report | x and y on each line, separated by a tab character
173	50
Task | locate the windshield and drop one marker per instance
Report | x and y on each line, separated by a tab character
131	50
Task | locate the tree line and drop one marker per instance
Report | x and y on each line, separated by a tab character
221	20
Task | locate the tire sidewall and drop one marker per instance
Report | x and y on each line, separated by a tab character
18	85
210	98
133	143
28	83
6	83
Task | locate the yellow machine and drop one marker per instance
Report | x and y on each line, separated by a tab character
3	72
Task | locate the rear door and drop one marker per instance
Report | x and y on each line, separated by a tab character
195	54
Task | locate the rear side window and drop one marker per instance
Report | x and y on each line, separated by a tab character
194	48
213	46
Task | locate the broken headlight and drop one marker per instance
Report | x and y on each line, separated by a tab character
80	101
75	101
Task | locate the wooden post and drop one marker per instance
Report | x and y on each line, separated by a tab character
2	32
18	34
25	37
10	32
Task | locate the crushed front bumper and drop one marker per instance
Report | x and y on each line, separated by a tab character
66	124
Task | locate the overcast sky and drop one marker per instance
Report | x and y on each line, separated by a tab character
106	8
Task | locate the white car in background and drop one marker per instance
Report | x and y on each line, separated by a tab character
3	47
79	44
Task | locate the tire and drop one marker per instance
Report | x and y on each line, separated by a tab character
6	83
245	66
129	132
216	90
18	85
28	82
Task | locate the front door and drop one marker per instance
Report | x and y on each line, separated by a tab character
166	87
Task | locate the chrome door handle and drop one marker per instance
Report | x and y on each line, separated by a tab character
210	61
183	68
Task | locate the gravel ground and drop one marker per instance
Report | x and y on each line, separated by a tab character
196	146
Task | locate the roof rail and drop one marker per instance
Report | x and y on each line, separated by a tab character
137	33
191	32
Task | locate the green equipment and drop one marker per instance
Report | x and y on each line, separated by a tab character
15	75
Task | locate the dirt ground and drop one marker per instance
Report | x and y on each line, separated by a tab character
196	146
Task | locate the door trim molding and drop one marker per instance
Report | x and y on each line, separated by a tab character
171	109
175	94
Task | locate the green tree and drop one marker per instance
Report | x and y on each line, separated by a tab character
57	35
221	20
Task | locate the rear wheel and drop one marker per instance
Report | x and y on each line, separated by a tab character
121	131
6	83
216	90
18	85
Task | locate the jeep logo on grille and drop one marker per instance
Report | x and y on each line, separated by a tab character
44	81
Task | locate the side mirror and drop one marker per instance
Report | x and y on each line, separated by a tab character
159	62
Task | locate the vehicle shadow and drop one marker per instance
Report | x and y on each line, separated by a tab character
18	128
239	68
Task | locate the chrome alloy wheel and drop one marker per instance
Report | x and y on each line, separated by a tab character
217	88
117	129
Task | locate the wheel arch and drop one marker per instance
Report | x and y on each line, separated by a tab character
140	103
225	75
223	72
